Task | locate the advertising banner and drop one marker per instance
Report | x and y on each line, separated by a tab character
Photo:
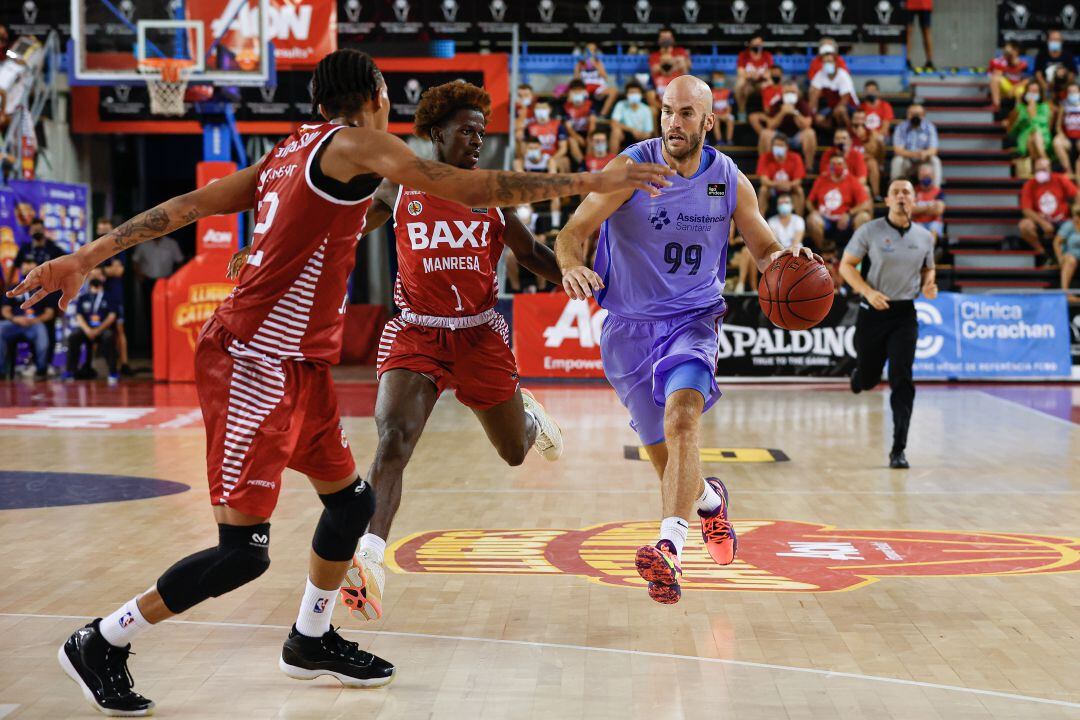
1074	331
216	232
993	336
61	205
302	32
554	336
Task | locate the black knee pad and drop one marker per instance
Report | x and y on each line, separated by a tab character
242	554
345	516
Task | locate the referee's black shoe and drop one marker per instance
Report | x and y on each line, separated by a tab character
306	658
897	461
856	386
101	670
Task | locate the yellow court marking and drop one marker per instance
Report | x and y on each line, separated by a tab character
720	455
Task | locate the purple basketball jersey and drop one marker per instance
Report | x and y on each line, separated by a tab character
667	255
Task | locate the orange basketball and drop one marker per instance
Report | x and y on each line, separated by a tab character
795	293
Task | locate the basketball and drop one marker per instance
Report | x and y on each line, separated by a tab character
795	293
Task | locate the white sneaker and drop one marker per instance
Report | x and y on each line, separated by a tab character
362	588
549	442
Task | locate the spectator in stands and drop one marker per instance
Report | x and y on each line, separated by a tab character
872	148
879	112
920	10
599	153
832	95
792	118
826	46
550	132
1007	73
721	103
915	141
114	292
541	230
94	318
29	326
41	248
752	65
771	95
1067	138
523	109
1055	67
1067	247
1044	201
929	203
632	119
839	204
535	160
153	261
1029	124
668	62
579	118
853	157
780	172
590	70
788	228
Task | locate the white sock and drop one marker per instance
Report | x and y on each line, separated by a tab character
123	625
375	547
674	530
316	608
709	500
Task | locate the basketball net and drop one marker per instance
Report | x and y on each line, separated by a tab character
166	81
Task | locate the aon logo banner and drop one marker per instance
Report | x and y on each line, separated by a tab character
557	337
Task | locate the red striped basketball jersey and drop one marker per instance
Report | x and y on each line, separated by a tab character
290	301
447	255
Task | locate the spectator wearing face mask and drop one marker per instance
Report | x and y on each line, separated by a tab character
536	224
929	210
853	158
533	159
1007	72
872	149
1067	137
789	230
29	326
792	118
1044	201
915	141
668	62
579	118
752	65
839	204
832	95
1029	124
591	71
826	46
550	133
721	103
523	109
780	172
632	120
771	95
599	154
1055	67
1067	247
879	112
94	318
41	248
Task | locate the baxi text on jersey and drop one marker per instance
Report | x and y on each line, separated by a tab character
697	223
430	236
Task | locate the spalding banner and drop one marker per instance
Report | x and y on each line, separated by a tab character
555	336
993	336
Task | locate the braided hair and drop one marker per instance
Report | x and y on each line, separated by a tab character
343	81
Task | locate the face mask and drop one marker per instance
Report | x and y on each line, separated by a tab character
1042	176
524	214
756	49
577	97
667	42
1032	97
599	148
779	152
38	236
916	121
777	79
871	97
830	68
1074	98
843	145
633	98
1054	46
719	83
542	114
525	101
926	181
534	155
665	67
790	98
95	284
784	209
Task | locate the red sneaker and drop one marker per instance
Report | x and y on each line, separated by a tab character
659	564
716	530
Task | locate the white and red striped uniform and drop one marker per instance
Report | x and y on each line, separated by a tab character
262	362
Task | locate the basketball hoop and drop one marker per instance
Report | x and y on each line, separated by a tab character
166	81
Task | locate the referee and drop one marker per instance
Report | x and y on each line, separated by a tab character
901	264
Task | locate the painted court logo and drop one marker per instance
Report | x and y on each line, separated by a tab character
774	555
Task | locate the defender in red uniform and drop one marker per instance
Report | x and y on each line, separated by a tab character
263	377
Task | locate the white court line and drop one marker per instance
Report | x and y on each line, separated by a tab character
616	651
6	710
1040	413
735	488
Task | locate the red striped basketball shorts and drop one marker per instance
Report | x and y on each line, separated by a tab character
475	362
263	415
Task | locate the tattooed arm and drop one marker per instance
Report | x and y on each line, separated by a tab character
66	273
358	151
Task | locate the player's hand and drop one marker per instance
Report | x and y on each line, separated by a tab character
647	177
879	300
929	289
66	274
798	250
237	262
580	282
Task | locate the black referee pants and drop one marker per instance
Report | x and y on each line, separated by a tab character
891	335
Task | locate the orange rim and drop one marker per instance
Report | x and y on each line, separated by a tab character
170	67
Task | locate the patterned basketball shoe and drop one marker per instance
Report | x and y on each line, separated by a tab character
361	591
549	436
659	564
716	530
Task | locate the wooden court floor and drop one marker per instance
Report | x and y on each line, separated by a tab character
948	591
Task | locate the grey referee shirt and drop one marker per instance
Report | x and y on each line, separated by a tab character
896	259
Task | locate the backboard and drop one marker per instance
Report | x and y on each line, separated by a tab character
227	41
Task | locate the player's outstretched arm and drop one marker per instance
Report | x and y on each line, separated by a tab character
357	151
759	239
531	254
68	272
581	282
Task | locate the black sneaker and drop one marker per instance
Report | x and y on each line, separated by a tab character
306	658
101	670
856	384
897	461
